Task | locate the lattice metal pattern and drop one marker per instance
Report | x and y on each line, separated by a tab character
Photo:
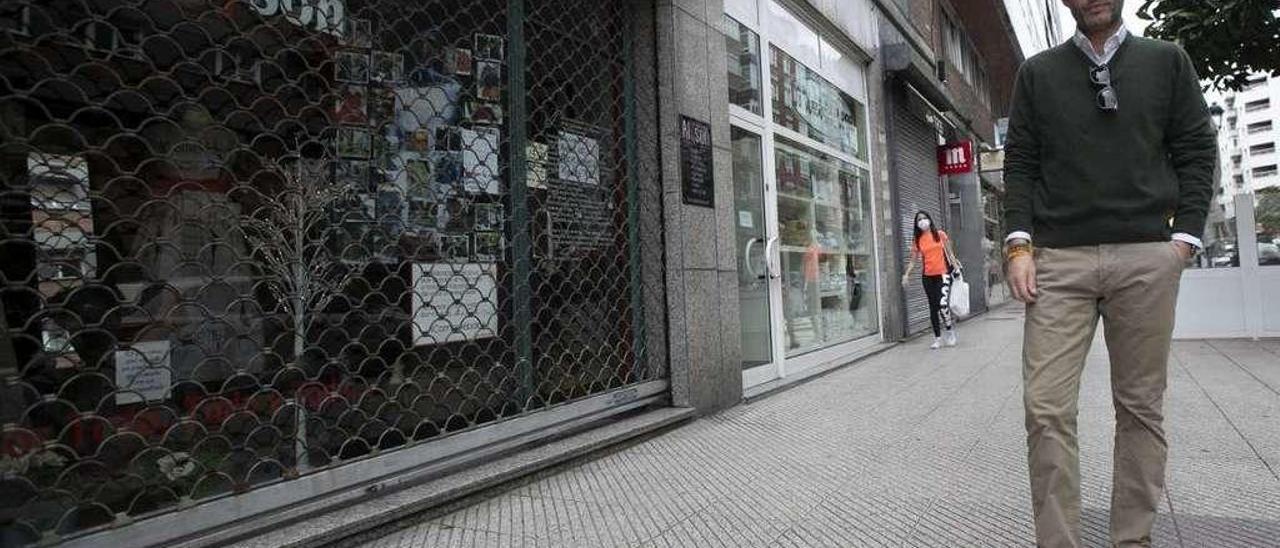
245	240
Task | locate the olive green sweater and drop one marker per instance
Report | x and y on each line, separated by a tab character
1077	175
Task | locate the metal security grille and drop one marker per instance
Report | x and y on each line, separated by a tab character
245	241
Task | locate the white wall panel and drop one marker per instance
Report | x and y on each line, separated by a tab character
1211	305
1269	279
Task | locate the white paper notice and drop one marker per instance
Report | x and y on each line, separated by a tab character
745	220
143	370
539	155
480	160
579	158
454	302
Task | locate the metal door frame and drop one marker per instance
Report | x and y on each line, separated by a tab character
742	119
762	125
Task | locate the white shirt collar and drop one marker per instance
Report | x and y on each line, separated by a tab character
1109	47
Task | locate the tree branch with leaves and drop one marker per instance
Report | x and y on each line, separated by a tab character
1267	212
1228	40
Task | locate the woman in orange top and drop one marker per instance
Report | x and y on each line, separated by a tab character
933	248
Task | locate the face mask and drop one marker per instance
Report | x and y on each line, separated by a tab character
924	224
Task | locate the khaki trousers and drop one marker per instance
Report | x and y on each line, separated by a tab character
1134	288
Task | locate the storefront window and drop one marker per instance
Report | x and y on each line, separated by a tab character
743	48
246	241
808	104
827	249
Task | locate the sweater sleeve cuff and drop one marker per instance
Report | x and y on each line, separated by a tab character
1184	237
1016	235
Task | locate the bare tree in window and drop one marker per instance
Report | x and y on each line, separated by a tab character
293	231
297	232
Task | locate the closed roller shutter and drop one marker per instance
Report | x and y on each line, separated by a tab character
915	156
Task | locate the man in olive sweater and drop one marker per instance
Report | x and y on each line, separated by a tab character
1109	169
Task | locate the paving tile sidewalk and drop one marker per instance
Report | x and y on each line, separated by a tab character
909	448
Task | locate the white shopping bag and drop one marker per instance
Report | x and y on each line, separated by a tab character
959	295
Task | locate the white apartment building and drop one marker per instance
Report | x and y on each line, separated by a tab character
1248	137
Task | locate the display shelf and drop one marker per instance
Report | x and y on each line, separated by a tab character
829	205
810	199
823	251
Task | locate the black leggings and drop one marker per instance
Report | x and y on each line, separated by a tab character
937	290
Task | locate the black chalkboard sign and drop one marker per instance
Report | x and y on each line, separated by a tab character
695	163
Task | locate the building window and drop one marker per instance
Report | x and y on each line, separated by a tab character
1264	171
984	88
1259	127
971	74
961	55
953	42
1262	149
743	49
1255	82
1239	179
1259	105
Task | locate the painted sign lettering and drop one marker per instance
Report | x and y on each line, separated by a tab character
329	16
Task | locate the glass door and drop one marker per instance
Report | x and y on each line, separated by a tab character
802	194
754	246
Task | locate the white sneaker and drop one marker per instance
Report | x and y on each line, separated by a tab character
951	337
937	343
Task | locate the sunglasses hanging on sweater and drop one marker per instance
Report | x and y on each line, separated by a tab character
1106	98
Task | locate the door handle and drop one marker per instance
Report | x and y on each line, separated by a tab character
746	258
768	258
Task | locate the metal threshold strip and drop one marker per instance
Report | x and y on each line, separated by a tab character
777	385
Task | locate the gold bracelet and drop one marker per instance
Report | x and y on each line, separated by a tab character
1015	252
